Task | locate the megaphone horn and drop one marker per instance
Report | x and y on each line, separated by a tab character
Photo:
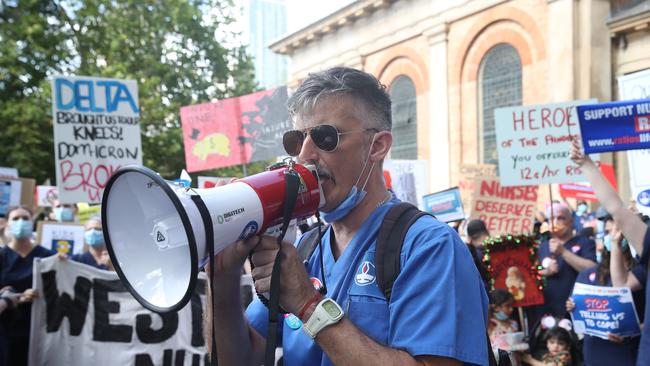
156	237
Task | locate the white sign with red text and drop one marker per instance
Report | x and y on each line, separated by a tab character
96	130
533	143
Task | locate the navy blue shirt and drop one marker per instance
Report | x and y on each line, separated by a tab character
580	221
560	285
597	351
644	348
87	258
16	271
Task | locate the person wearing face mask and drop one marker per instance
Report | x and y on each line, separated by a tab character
562	257
438	308
16	263
97	255
616	350
63	212
581	216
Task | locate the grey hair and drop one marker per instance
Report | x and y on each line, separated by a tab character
344	81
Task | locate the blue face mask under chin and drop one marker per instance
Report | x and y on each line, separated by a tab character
354	197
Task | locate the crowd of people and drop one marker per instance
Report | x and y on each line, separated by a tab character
17	255
440	307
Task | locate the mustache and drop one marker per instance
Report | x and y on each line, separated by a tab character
324	172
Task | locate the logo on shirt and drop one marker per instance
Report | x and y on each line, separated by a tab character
592	277
365	274
575	248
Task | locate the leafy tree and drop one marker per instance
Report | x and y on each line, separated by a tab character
169	47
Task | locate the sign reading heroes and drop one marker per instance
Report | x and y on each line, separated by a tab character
96	130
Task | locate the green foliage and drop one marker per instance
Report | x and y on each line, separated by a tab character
168	46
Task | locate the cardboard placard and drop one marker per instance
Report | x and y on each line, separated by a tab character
65	238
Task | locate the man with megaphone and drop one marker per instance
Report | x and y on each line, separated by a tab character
437	312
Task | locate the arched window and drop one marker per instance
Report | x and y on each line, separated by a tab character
402	95
499	85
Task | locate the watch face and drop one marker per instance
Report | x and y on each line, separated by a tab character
331	309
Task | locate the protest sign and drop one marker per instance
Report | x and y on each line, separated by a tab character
511	263
63	238
583	191
602	310
209	182
6	172
637	86
85	316
445	205
235	131
615	126
10	193
85	212
533	143
96	130
409	179
45	195
505	210
466	182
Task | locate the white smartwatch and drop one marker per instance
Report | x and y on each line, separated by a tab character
327	312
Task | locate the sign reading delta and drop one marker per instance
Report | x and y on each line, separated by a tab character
615	126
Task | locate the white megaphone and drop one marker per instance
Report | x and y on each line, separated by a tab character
156	237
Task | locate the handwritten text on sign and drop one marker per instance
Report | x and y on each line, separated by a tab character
602	310
96	130
505	210
534	141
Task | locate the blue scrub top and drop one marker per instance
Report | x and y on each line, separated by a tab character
644	349
87	258
597	351
16	271
438	303
559	286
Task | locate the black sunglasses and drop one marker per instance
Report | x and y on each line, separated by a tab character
325	137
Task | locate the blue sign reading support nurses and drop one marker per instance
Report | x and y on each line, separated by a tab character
602	310
615	126
445	205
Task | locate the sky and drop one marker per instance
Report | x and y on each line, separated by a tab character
301	13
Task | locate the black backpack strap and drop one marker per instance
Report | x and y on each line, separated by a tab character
308	244
390	238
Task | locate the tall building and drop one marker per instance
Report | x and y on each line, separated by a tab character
266	22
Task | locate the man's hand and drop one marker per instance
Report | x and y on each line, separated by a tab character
570	305
576	154
556	246
550	267
295	287
28	296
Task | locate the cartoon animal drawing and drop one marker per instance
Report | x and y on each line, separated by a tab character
515	283
215	143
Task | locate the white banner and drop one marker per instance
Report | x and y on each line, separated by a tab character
409	179
533	143
85	316
637	86
96	130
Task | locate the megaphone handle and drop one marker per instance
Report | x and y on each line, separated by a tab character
209	239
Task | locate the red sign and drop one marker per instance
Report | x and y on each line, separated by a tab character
513	270
583	191
235	131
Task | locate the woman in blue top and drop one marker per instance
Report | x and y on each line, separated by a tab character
16	262
615	350
634	229
96	256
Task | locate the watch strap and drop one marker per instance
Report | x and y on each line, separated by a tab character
320	318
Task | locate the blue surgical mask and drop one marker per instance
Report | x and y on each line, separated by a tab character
599	256
600	229
582	208
500	315
21	229
607	242
63	214
354	197
94	238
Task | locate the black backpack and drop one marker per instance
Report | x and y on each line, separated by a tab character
390	239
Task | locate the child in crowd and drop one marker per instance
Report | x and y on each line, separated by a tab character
500	323
558	346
